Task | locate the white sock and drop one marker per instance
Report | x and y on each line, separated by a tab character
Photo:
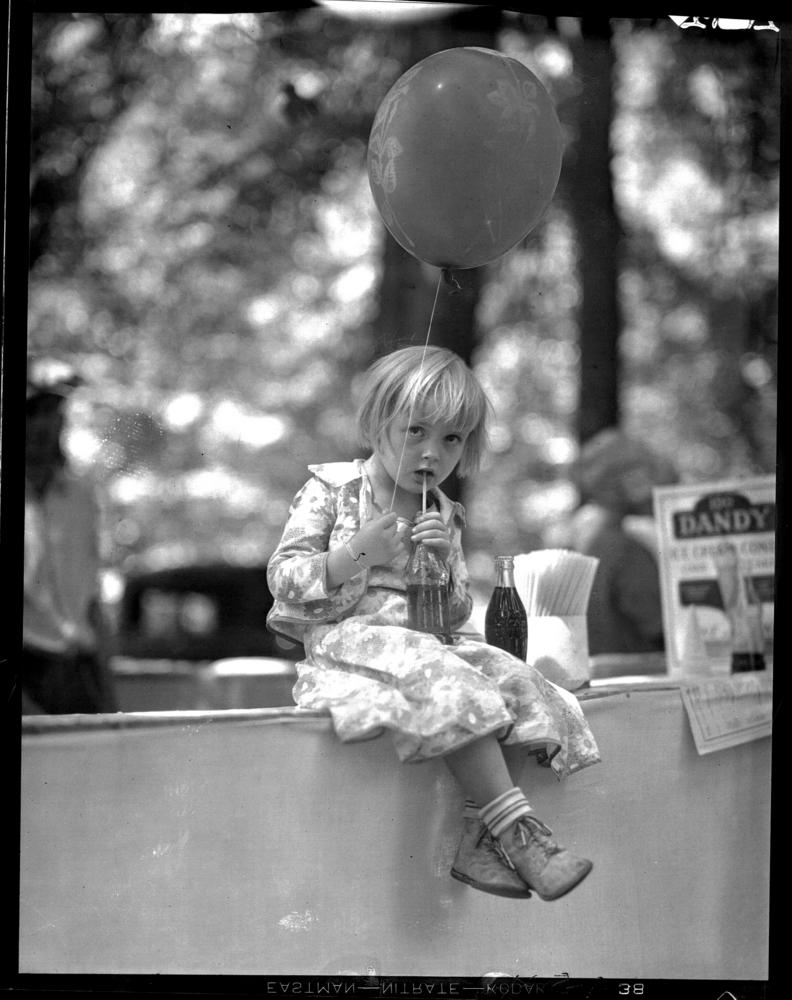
505	809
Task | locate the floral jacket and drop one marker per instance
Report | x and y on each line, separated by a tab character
328	510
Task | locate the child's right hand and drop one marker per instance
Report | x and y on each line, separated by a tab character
378	541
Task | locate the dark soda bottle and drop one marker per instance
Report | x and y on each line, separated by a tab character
748	638
506	623
743	662
426	579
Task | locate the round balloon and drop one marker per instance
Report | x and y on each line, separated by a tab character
464	156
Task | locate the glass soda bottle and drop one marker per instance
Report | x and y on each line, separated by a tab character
505	622
426	578
744	611
747	634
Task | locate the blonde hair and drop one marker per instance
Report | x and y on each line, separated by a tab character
437	379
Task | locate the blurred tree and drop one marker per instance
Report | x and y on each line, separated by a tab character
678	145
701	259
589	192
85	71
217	268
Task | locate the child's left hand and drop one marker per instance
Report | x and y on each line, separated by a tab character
431	530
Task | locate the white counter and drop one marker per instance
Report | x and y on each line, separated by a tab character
253	842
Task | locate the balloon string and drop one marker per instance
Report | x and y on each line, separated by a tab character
450	280
414	400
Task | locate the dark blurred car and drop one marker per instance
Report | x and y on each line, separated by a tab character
195	638
199	612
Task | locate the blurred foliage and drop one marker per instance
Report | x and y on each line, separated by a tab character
206	249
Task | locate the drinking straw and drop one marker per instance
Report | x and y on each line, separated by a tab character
555	581
424	490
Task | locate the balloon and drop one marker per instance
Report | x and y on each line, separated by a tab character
464	156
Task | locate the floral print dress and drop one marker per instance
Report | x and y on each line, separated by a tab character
372	673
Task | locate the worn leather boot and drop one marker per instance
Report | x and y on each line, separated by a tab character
548	868
481	863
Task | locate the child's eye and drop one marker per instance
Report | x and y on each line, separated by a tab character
415	430
454	438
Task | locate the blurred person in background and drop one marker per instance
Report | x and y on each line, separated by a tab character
64	666
614	475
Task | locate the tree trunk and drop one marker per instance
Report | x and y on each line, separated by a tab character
590	195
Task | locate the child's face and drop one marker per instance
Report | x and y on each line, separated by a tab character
434	447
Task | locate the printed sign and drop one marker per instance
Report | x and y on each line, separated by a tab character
716	549
727	711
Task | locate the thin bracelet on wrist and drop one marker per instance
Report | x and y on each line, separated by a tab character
353	557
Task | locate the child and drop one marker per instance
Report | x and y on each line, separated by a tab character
337	580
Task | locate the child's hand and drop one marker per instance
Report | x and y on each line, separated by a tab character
378	541
431	530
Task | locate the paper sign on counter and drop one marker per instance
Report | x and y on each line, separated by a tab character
726	711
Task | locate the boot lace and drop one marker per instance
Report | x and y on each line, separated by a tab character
502	853
530	827
494	844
